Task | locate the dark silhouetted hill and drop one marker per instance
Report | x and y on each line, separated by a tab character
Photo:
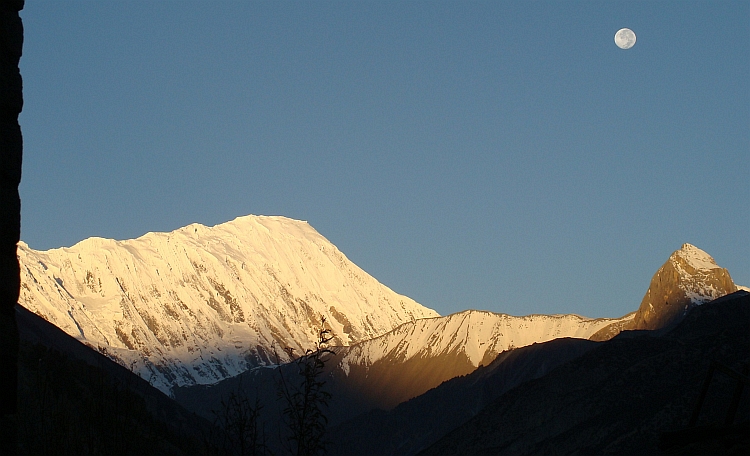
415	424
620	397
74	400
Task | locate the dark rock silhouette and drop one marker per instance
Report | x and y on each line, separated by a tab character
624	395
416	424
11	145
78	401
419	422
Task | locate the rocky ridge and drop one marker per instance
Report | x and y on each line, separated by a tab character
623	396
420	355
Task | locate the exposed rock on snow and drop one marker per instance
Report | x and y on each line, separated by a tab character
404	363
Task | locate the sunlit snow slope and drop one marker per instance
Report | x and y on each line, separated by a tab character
479	335
200	304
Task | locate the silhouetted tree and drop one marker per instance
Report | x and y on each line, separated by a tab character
305	399
239	418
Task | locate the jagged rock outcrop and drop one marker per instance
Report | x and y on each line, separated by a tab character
201	304
689	277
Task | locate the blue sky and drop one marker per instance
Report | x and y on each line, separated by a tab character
492	155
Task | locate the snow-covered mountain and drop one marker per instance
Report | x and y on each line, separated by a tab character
479	335
420	355
201	304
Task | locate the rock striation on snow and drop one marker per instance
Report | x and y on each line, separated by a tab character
420	355
479	335
406	362
200	304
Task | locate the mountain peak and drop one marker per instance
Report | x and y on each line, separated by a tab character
695	257
689	277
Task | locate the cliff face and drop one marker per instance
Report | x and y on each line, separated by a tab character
689	277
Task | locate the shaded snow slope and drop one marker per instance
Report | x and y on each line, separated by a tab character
200	304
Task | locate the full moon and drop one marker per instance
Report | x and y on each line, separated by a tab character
625	38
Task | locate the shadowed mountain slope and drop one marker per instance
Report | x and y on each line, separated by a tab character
420	355
73	400
419	422
383	372
404	363
619	397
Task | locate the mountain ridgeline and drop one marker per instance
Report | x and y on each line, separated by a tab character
202	313
406	362
202	304
635	394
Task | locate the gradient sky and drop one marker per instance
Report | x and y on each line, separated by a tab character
500	155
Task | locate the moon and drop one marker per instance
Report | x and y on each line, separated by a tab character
625	38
